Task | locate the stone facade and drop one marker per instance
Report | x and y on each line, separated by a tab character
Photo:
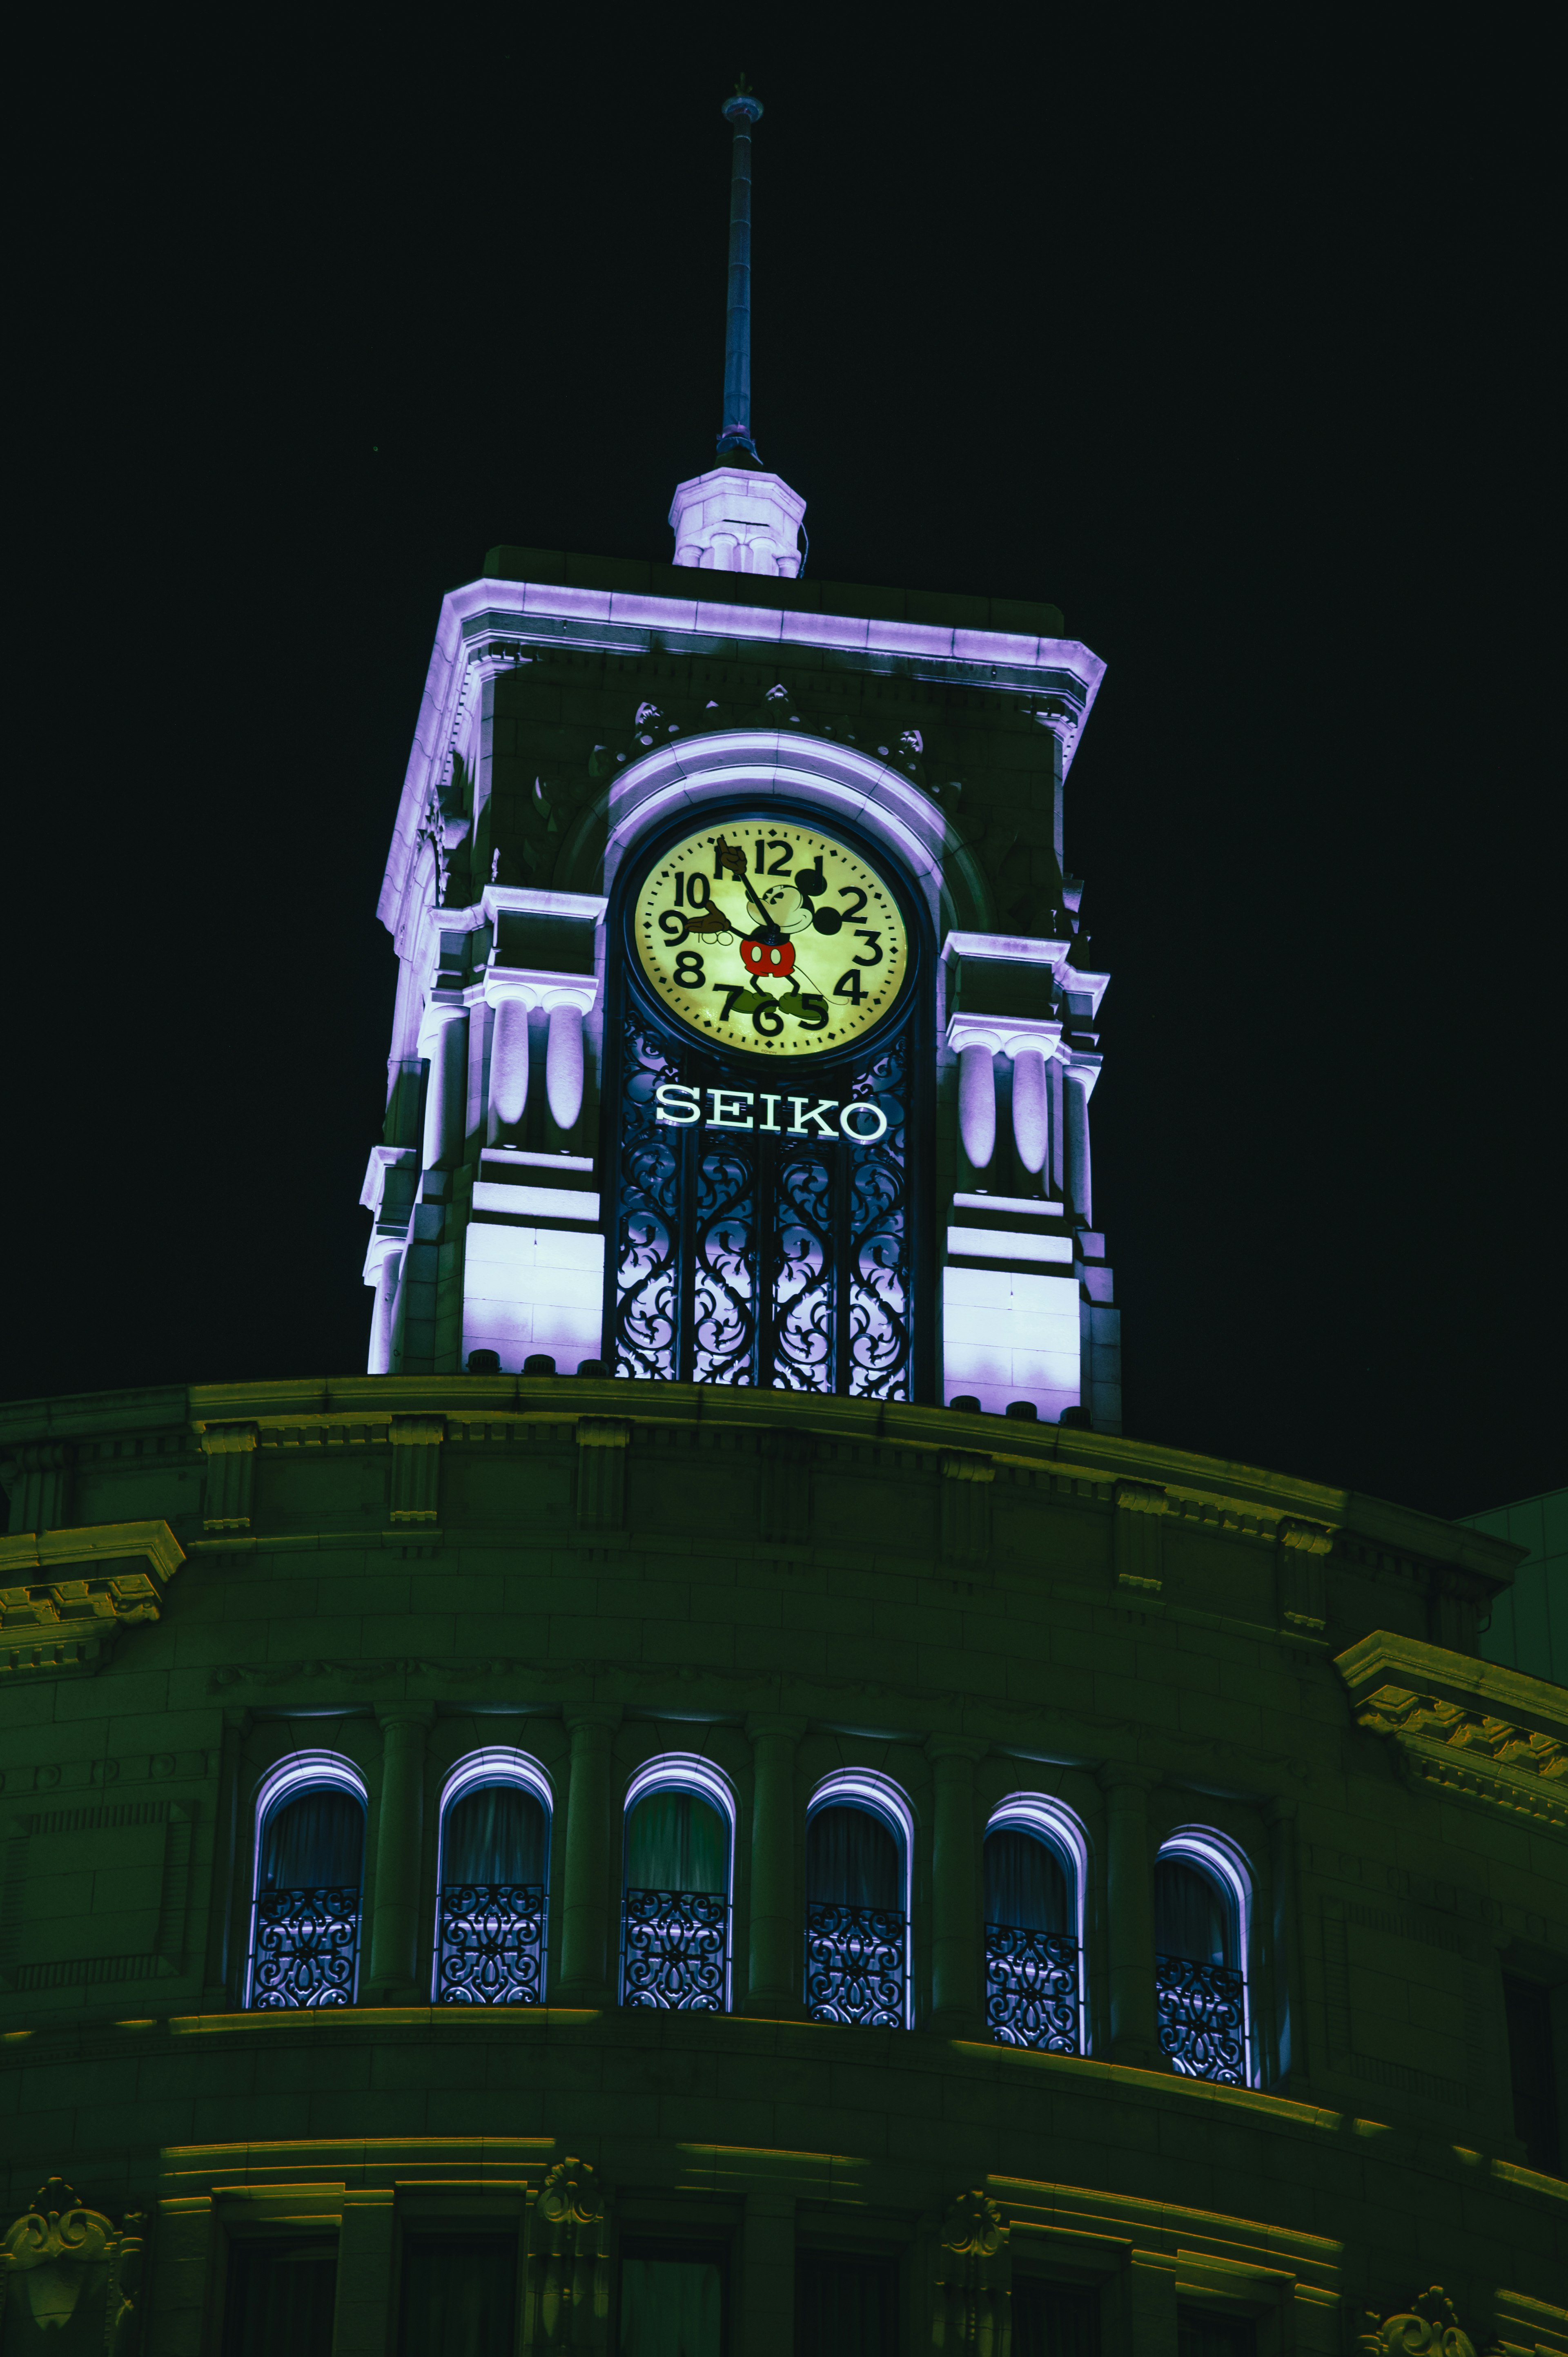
972	1614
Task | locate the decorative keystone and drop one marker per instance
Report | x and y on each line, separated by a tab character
80	2274
568	2263
973	2277
1428	2328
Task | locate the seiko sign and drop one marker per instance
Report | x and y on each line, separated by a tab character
861	1121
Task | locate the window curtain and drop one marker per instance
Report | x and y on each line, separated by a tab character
1054	2319
675	1841
459	2296
314	1842
494	1834
845	2303
1192	1916
1025	1885
280	2296
852	1860
1201	2333
672	2307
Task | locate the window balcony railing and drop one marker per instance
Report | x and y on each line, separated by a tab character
1202	2011
307	1947
1031	1988
856	1966
675	1951
492	1943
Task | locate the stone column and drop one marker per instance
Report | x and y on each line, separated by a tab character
977	1104
778	1936
1134	2025
509	1065
1079	1178
1031	1120
1289	2040
443	1040
585	1912
400	1824
957	1936
564	1065
384	1313
767	2300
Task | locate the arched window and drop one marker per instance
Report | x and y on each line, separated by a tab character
1202	1918
675	1912
493	1878
1036	1874
310	1871
859	1840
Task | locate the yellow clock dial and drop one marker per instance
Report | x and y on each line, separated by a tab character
770	936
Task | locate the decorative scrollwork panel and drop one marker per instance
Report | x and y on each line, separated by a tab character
1202	2016
492	1944
307	1948
675	1949
856	1966
1031	1988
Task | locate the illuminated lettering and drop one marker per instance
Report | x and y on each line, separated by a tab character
864	1136
721	1118
824	1104
679	1115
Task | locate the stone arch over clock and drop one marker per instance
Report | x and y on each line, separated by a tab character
770	1042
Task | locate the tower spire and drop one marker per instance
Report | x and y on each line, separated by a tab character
740	112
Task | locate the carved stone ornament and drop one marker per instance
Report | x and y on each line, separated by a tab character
1429	2328
68	2279
973	2279
568	2263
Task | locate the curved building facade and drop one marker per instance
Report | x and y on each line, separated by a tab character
562	1852
710	1804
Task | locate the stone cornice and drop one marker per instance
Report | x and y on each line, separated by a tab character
64	1593
1244	1499
1471	1728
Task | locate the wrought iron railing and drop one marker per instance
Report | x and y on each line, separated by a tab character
1202	2012
675	1951
1031	1988
856	1966
307	1947
492	1943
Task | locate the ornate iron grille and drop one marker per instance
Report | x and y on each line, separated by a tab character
752	1258
1202	2010
1031	1988
675	1949
492	1943
856	1966
306	1945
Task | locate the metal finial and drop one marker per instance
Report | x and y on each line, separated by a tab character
740	111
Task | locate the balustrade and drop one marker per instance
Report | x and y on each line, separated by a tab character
1031	1988
856	1966
1202	2018
675	1949
307	1948
492	1943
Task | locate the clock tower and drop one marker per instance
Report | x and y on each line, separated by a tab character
745	1029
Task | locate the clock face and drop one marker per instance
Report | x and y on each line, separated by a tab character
767	935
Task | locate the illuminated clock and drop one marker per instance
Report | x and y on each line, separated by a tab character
768	935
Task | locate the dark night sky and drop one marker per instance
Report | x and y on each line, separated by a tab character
1221	333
